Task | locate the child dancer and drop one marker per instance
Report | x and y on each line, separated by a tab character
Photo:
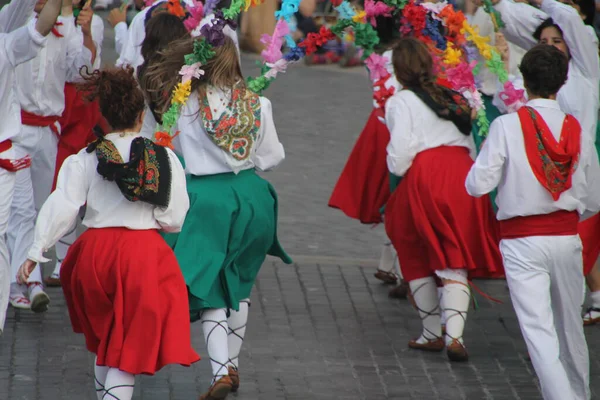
18	44
546	179
232	222
122	284
438	230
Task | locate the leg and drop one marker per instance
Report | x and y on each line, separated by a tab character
119	385
567	298
386	264
215	328
456	296
424	294
235	338
592	315
100	379
529	284
7	184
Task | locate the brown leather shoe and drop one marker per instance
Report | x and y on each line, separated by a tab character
400	291
386	276
219	390
431	345
456	351
235	378
52	282
588	319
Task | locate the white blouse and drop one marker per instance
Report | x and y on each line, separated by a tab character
79	183
203	157
579	95
503	163
414	128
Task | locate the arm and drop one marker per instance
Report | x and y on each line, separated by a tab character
591	167
269	151
521	20
15	14
59	212
21	45
576	35
171	218
403	146
98	38
133	43
47	17
121	34
486	173
84	20
118	20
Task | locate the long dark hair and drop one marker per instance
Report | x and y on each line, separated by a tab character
161	30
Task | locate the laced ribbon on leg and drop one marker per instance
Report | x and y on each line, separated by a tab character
215	328
456	301
100	379
119	385
237	329
425	300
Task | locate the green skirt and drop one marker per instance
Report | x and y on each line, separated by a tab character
229	230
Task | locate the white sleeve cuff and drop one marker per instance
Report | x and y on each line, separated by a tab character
36	37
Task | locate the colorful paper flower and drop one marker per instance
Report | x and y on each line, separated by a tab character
181	92
360	18
279	67
377	66
174	7
189	72
375	9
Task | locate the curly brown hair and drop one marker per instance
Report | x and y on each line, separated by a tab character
119	96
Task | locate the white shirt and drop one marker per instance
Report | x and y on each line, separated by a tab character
203	157
414	128
391	81
41	81
16	47
15	14
503	163
79	183
579	95
121	35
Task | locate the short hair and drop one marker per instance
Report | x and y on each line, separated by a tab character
548	23
544	69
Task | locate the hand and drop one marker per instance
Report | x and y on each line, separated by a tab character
25	270
536	3
473	114
502	46
84	19
117	15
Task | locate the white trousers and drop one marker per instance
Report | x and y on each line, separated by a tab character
545	278
41	144
7	185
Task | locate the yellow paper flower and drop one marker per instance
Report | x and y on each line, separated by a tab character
472	35
181	93
452	56
360	17
251	3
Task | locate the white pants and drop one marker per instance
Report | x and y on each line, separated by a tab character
545	278
41	144
7	184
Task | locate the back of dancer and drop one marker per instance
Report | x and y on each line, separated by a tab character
547	179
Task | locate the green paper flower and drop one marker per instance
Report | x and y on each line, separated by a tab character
482	123
259	84
366	37
339	28
233	10
203	51
497	67
170	118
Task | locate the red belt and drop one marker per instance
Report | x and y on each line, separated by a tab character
559	223
12	165
30	119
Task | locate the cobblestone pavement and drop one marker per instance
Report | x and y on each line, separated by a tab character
323	328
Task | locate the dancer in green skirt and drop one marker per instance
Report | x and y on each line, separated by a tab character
226	132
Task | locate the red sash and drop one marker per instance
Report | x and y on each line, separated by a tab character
12	165
30	119
559	223
553	163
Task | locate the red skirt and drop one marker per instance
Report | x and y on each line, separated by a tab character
76	123
363	187
589	232
434	224
126	294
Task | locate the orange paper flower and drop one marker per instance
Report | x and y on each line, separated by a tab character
174	8
164	139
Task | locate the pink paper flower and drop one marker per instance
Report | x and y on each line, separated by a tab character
191	71
196	14
279	67
461	76
511	96
375	9
377	66
274	43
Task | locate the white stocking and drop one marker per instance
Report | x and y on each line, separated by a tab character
119	385
386	261
424	292
441	298
214	325
237	329
99	378
456	304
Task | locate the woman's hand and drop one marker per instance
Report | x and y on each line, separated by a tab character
25	270
502	46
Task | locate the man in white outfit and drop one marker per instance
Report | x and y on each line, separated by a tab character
18	44
548	178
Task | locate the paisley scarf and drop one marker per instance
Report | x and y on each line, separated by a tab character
457	109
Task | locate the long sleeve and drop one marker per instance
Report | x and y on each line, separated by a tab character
59	212
132	45
486	172
98	37
21	45
269	151
592	177
521	20
121	34
171	218
78	55
15	14
584	52
403	146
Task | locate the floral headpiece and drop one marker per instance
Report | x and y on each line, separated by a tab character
191	16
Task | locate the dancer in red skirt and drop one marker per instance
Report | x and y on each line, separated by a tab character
363	187
123	286
438	230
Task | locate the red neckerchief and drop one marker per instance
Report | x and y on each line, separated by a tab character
55	31
553	163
